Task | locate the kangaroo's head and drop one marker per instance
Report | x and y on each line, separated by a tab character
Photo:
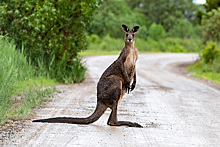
129	34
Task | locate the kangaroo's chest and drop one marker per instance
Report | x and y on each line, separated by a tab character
130	62
131	58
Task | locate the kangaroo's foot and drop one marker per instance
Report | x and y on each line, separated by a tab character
125	123
113	121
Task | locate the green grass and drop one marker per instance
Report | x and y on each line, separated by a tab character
208	67
23	104
19	79
37	81
91	52
199	73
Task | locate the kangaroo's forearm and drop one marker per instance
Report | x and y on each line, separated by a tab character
134	78
124	72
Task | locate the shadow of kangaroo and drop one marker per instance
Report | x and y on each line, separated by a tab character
117	79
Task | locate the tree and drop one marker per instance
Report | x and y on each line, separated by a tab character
212	4
112	14
183	29
165	12
207	7
211	25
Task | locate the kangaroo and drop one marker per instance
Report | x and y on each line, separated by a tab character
117	79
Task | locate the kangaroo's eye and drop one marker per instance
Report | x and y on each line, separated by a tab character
133	35
126	35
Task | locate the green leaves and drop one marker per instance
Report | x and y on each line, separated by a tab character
210	53
48	28
211	25
157	32
183	29
112	14
165	12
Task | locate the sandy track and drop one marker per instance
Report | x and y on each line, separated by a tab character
174	110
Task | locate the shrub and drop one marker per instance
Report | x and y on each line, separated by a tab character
215	64
210	53
95	38
157	32
107	43
48	30
177	49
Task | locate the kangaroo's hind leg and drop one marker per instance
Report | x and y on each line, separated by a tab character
113	121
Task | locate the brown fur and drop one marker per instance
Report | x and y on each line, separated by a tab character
117	79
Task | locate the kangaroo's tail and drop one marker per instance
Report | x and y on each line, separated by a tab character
100	109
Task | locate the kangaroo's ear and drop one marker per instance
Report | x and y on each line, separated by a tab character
125	28
135	29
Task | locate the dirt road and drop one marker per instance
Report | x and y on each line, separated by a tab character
174	110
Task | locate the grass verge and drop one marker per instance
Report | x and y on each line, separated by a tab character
197	72
23	104
208	66
98	52
20	84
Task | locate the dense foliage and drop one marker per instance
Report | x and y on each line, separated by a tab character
208	66
165	12
156	32
211	25
184	29
175	17
112	14
210	53
205	8
212	4
51	30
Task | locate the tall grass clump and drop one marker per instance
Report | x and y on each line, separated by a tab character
13	68
73	72
18	77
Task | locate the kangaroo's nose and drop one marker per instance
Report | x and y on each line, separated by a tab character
129	39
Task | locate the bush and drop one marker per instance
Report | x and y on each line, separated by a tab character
157	32
209	63
215	64
107	43
210	53
50	30
177	49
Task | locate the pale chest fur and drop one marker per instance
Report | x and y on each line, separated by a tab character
130	62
